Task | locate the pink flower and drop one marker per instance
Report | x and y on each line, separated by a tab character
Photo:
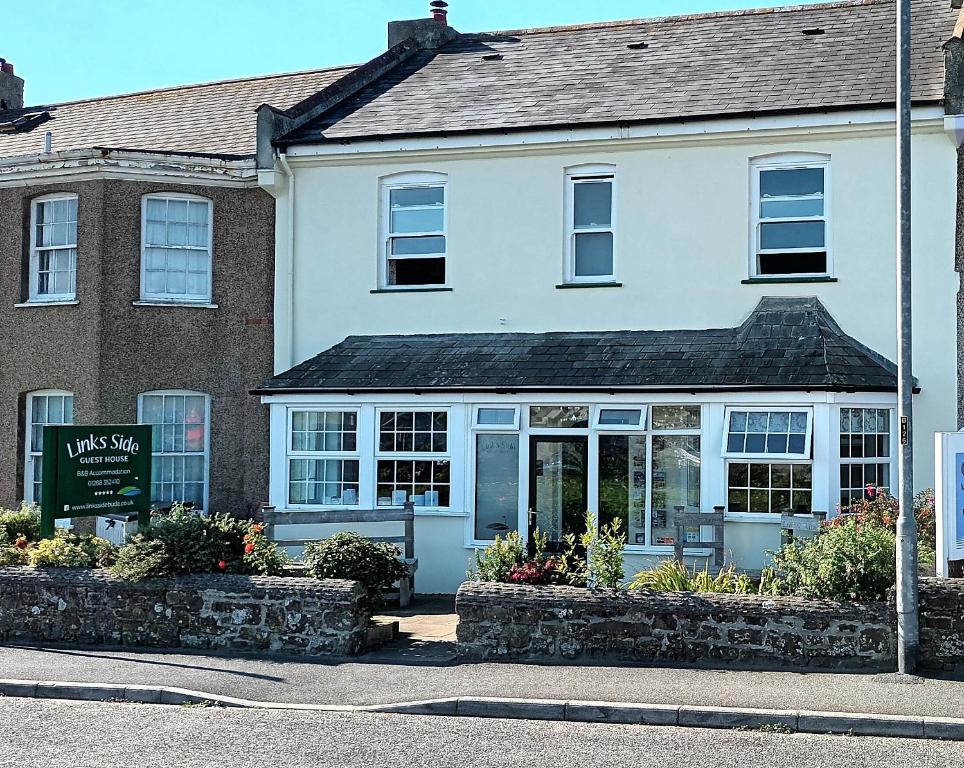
222	565
871	490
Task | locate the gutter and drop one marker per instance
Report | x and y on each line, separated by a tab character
503	390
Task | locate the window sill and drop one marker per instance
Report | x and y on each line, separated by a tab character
663	550
752	517
430	512
59	303
437	289
193	304
815	279
608	284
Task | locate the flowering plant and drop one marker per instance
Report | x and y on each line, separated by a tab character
879	508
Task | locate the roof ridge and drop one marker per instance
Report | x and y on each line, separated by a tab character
735	13
188	86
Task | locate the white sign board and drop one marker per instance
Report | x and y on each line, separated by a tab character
949	498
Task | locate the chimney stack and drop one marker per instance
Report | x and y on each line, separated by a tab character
11	87
438	11
430	33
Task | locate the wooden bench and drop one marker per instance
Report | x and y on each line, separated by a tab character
686	520
792	525
406	515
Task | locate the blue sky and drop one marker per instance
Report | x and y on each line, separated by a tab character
74	49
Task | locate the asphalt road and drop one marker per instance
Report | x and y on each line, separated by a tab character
39	734
357	682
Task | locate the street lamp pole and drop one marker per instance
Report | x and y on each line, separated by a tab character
908	628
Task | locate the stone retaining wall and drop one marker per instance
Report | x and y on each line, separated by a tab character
246	613
942	623
502	621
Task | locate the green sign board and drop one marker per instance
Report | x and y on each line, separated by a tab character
97	470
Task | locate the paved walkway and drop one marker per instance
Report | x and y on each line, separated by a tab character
382	680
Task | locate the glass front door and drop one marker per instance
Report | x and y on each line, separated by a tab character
558	468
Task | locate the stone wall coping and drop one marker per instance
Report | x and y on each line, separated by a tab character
219	581
477	592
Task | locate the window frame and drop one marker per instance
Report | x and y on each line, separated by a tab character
410	180
290	453
31	456
773	517
784	162
33	268
205	506
513	426
433	456
642	425
890	460
173	298
771	458
583	174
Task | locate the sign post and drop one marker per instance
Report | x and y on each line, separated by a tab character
949	499
95	470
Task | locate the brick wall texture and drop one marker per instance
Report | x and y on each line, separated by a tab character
210	612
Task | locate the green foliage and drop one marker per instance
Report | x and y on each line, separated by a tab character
849	560
140	559
881	509
60	552
21	523
184	541
673	576
348	555
496	561
604	553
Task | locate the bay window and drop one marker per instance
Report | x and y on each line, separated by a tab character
323	463
414	224
769	468
412	459
590	224
864	451
790	217
53	249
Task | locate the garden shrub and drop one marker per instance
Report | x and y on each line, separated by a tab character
848	560
348	555
66	550
21	523
879	508
673	576
183	541
496	561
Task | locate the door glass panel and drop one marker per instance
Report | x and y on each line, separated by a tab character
622	484
496	485
558	486
676	483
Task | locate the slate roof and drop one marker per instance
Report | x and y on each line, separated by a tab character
785	344
701	66
211	118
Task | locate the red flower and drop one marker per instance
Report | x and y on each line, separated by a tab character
248	549
222	565
871	490
21	543
257	527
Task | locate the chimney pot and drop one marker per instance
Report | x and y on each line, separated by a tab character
439	12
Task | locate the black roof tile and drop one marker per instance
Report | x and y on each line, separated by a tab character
812	352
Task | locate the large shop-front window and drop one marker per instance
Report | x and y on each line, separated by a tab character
413	462
864	451
659	471
322	458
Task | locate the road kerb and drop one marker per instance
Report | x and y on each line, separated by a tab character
890	726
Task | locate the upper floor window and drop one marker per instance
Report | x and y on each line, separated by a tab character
179	468
176	238
44	408
53	249
590	224
414	222
791	216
